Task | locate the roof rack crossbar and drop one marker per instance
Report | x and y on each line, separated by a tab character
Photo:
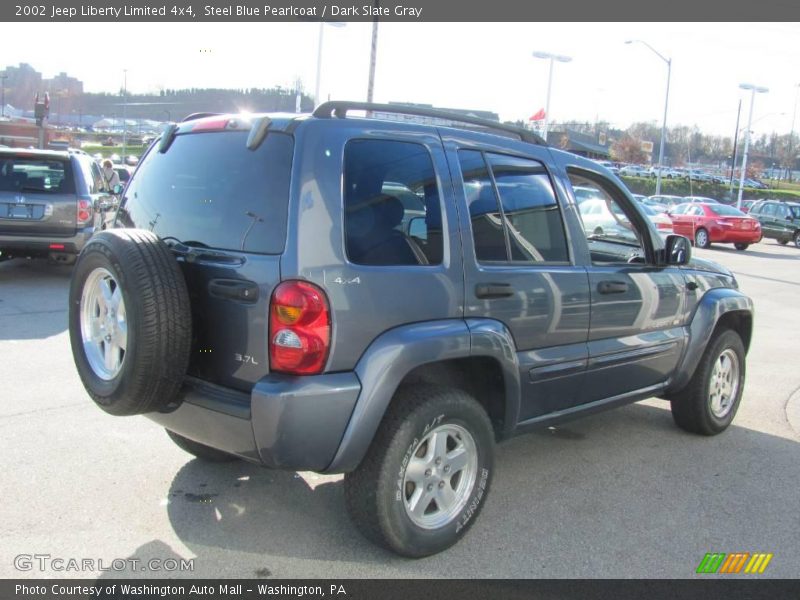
339	109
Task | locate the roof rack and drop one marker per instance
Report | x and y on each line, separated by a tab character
339	109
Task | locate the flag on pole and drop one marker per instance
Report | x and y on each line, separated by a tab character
538	115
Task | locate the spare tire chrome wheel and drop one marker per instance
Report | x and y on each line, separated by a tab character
104	324
130	322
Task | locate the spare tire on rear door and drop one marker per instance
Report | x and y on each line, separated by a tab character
129	322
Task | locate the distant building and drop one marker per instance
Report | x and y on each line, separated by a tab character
590	146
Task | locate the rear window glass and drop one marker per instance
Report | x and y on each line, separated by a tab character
209	190
726	211
41	175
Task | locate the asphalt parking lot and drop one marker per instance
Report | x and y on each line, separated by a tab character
621	494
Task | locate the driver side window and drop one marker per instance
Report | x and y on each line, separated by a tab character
612	235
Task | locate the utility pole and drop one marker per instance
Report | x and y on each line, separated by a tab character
3	78
124	106
373	56
735	144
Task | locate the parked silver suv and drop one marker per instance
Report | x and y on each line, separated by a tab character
48	202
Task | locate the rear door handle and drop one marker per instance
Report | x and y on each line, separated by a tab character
493	290
612	287
234	289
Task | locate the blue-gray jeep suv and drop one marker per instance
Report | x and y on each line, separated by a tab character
387	299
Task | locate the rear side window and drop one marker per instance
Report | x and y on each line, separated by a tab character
392	211
32	174
209	190
513	210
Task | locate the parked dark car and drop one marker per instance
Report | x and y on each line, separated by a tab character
267	295
779	220
49	202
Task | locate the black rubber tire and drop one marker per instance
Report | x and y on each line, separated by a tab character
741	247
782	242
201	451
372	497
707	238
691	408
158	318
796	239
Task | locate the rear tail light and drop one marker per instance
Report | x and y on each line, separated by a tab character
723	223
56	246
84	211
299	329
664	226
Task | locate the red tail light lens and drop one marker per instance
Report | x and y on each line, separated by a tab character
664	226
299	329
84	211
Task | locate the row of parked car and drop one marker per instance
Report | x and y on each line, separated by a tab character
677	173
705	220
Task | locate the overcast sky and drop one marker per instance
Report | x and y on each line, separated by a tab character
459	65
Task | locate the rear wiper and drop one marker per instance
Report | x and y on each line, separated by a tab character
27	188
191	252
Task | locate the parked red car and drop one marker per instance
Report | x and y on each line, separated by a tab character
705	224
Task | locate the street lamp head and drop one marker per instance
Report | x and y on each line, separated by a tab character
629	41
542	55
564	59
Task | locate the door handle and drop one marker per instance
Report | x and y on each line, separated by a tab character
234	289
612	287
493	290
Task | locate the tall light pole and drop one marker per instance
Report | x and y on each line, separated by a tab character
552	58
319	54
124	106
753	90
791	135
668	61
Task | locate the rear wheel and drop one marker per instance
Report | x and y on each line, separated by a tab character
426	474
199	450
129	322
741	246
710	400
701	239
796	239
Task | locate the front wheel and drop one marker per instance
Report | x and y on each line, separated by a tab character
741	247
796	239
783	242
427	473
710	400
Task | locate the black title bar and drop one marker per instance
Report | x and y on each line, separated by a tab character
398	10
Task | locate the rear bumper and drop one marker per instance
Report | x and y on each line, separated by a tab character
286	422
43	244
750	236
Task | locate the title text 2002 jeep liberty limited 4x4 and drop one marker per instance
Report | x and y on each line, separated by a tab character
387	299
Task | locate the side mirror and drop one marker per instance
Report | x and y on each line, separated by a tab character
678	250
117	189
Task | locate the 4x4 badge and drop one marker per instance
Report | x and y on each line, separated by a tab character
344	281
